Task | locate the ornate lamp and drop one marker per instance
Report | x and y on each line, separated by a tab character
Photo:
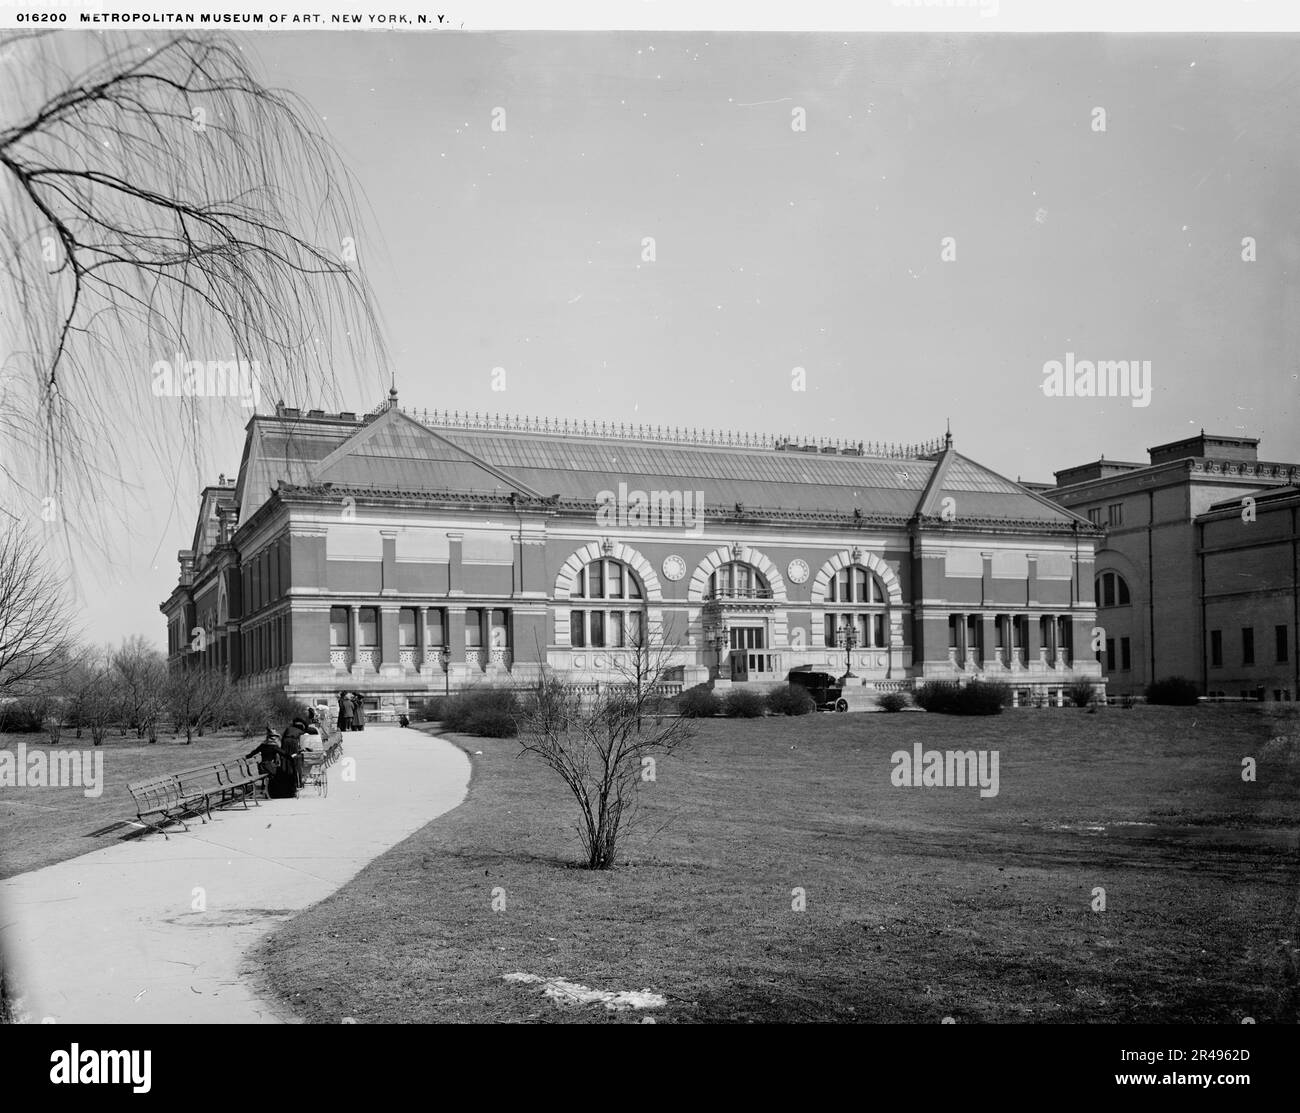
718	638
848	639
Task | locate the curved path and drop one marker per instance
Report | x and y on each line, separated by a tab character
159	930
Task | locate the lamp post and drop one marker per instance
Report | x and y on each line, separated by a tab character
718	639
848	639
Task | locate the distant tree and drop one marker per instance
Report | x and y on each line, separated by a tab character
195	696
36	637
248	710
140	671
94	703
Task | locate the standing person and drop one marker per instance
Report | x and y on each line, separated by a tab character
291	743
359	712
346	711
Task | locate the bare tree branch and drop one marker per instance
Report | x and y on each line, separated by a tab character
161	204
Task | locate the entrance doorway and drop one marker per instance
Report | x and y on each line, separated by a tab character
748	659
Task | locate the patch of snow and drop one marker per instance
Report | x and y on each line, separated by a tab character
564	992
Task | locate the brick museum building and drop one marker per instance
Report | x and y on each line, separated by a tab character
1198	566
403	555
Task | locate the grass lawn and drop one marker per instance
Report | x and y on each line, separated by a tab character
922	903
40	826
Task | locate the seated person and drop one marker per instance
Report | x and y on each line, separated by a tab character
277	764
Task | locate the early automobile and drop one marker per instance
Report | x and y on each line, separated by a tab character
826	689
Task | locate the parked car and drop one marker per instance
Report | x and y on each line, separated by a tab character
824	688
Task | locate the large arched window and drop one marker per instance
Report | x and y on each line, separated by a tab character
1112	590
609	607
737	580
856	599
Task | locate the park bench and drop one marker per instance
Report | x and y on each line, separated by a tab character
241	776
159	796
190	792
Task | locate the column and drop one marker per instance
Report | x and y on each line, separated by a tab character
354	623
1031	640
457	670
422	628
988	624
389	659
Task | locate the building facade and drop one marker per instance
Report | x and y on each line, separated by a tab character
1196	571
404	556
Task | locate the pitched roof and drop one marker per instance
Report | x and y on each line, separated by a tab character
395	452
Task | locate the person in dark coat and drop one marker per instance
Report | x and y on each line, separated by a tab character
346	711
268	752
291	743
275	762
359	722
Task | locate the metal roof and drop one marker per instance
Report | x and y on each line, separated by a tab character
395	452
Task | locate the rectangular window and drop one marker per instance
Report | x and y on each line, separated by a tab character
596	580
1279	632
616	629
1110	653
500	628
1094	515
597	630
878	625
578	629
1125	655
437	627
615	579
340	626
1247	645
1115	514
473	628
1108	591
406	627
831	637
634	628
1216	648
368	626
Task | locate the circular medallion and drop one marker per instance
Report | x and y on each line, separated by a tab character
674	567
798	571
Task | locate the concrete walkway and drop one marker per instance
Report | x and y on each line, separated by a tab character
160	931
